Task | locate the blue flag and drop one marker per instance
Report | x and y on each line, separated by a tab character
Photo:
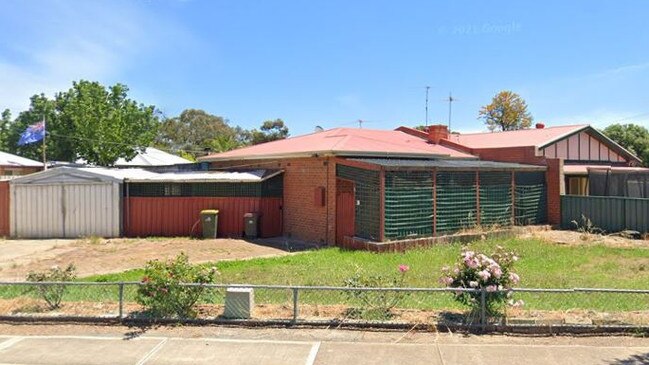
33	133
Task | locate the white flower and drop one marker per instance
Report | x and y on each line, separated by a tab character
473	284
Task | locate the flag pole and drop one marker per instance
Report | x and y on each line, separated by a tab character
44	146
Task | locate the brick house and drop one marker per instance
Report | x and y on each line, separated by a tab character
569	152
384	185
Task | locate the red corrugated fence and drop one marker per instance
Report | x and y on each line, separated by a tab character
180	216
4	208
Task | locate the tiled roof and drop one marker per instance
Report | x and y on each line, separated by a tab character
344	142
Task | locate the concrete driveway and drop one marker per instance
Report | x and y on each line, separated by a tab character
308	347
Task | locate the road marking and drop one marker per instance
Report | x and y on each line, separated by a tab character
10	342
151	352
310	360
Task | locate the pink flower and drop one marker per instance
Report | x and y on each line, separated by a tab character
473	284
446	280
514	278
491	288
471	262
484	275
496	271
404	268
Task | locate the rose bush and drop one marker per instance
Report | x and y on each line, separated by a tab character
162	293
376	304
493	274
52	294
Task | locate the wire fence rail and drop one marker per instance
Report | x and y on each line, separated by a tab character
362	306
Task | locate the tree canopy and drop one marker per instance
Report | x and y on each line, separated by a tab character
270	130
633	137
101	124
89	121
507	111
195	131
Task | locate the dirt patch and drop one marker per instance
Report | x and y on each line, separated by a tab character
31	307
103	256
574	238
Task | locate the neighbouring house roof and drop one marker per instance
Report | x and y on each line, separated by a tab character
8	159
72	175
448	164
152	157
518	138
536	137
343	142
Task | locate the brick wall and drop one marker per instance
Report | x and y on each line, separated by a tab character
556	188
525	155
303	218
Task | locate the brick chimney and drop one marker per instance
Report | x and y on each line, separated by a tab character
437	132
540	125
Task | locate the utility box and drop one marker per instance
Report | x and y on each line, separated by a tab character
251	224
210	220
239	303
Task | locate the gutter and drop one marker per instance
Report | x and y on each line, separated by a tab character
330	153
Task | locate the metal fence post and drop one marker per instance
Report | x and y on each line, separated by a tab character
121	300
483	308
295	305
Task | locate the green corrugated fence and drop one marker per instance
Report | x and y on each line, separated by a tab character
609	213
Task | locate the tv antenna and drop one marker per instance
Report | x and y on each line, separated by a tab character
427	88
450	100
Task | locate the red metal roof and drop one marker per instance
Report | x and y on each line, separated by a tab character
344	142
518	138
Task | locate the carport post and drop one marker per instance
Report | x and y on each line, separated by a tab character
295	307
121	300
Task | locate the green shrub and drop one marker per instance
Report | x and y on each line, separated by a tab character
162	293
52	294
376	305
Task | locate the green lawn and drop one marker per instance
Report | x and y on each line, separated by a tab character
542	265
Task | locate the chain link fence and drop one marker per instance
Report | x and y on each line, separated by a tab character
402	307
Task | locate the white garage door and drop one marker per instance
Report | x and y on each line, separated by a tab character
65	210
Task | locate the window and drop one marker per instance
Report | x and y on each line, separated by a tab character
577	185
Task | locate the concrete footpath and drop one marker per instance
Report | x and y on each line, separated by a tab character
189	345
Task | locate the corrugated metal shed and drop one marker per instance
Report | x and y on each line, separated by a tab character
450	164
70	202
65	203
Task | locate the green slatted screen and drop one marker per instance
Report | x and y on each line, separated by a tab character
495	198
408	204
367	194
531	198
456	201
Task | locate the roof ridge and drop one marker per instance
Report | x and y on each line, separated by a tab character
519	130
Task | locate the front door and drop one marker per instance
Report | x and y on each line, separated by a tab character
345	210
